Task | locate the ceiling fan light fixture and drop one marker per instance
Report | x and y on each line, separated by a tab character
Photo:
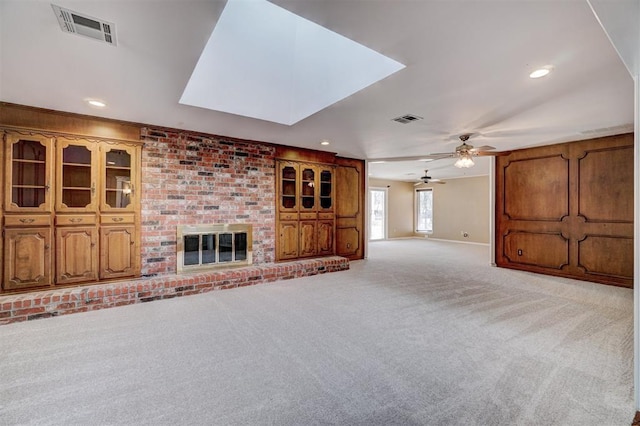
464	162
541	72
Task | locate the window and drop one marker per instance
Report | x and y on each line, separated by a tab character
424	210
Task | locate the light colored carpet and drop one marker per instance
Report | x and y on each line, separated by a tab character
422	333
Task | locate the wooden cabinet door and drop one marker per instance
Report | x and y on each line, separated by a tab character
308	238
287	242
27	258
119	178
28	173
76	176
325	237
117	251
76	254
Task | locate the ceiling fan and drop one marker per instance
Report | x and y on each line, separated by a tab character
428	179
464	153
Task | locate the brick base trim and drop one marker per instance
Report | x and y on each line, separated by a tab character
50	303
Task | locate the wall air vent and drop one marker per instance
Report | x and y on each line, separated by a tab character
77	23
405	119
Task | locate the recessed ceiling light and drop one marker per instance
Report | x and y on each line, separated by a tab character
96	103
540	72
324	143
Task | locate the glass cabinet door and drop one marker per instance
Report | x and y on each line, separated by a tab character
326	189
308	190
288	187
76	176
118	187
28	173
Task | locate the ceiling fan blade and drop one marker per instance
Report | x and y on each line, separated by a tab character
483	148
494	153
427	157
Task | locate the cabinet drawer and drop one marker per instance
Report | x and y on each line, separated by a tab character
116	219
76	219
308	216
288	216
325	216
27	220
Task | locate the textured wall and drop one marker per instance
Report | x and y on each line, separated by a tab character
190	178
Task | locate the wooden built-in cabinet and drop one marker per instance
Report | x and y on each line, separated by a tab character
71	211
319	205
305	210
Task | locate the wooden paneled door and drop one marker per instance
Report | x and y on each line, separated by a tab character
117	251
349	208
76	254
27	254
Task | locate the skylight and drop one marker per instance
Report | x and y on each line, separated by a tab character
265	62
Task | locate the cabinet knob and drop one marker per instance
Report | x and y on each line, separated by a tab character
117	219
26	220
75	220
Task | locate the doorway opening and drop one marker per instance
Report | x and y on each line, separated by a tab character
377	214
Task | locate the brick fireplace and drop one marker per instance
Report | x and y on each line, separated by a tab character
190	178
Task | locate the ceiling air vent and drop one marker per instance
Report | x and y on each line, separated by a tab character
405	119
77	23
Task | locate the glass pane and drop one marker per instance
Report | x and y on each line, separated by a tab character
308	189
118	158
208	248
325	202
32	174
425	210
76	154
226	249
76	176
240	240
28	197
288	202
117	199
308	202
191	249
325	176
76	197
325	189
308	174
115	177
289	173
118	188
289	188
377	214
29	150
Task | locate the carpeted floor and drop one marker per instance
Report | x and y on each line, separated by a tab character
422	333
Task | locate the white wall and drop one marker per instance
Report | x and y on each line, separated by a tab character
461	206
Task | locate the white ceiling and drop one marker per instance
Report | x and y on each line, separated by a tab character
467	66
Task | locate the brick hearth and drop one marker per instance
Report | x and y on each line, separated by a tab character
50	303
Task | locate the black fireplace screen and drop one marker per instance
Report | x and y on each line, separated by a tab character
204	249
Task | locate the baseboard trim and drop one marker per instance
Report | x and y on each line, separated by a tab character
457	241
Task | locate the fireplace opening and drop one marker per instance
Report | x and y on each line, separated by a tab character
213	246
